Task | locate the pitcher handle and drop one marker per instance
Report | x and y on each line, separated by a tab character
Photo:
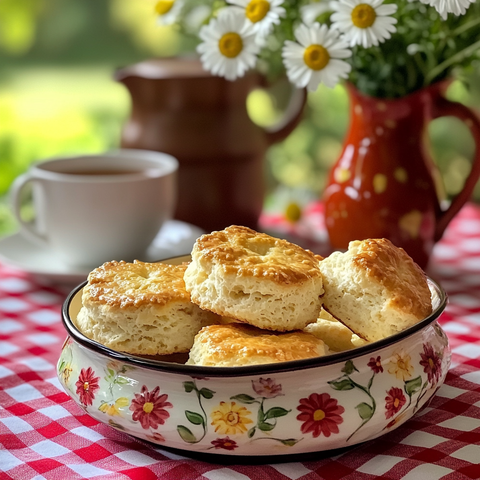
291	118
443	108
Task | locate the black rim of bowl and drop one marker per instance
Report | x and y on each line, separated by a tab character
268	368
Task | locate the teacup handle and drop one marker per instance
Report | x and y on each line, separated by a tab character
443	108
26	228
291	118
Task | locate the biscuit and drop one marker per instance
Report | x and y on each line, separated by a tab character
140	308
255	278
235	345
334	334
375	289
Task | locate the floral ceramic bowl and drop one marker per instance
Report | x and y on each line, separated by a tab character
263	411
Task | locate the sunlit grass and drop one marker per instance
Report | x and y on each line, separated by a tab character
48	112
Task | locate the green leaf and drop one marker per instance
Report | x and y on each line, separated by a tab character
349	368
251	432
365	411
194	418
266	427
244	398
189	386
207	393
186	434
122	380
276	412
290	442
344	384
413	386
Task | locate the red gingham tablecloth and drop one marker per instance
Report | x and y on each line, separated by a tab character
44	435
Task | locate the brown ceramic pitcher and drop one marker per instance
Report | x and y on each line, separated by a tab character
202	120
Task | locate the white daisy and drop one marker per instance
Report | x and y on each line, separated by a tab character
168	11
316	57
310	12
262	14
228	48
364	22
444	7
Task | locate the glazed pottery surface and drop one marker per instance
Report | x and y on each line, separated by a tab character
385	184
274	410
202	120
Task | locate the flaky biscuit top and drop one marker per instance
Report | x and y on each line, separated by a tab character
245	252
125	285
228	342
392	267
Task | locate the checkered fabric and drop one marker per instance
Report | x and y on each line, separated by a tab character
44	435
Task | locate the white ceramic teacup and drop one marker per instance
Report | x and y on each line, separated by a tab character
94	208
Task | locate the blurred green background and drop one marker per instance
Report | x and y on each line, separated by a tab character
57	97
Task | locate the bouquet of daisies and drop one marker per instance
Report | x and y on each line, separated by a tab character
386	48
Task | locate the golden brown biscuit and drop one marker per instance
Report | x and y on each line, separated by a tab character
375	288
258	279
235	345
140	308
335	334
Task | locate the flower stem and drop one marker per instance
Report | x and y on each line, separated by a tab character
450	61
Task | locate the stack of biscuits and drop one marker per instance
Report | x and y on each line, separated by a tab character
248	298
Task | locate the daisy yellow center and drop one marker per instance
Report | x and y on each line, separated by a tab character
316	57
232	418
164	6
257	10
148	407
230	45
396	402
293	213
363	15
86	386
318	415
430	362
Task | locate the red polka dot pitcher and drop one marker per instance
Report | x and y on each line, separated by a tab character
385	183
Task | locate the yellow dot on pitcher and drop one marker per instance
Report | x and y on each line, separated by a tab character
400	174
379	183
342	175
410	223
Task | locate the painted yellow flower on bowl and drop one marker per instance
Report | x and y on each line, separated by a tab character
113	408
229	418
401	366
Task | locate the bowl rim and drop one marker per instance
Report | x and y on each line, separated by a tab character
248	370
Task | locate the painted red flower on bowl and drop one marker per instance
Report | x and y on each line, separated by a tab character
87	385
266	388
431	363
375	364
320	414
394	401
225	443
149	408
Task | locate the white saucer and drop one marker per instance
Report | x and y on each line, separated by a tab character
174	238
